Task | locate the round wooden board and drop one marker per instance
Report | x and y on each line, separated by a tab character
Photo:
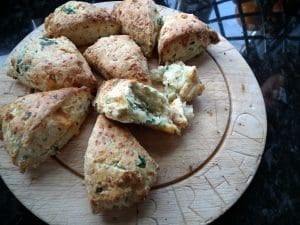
203	172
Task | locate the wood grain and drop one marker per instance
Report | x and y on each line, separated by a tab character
203	172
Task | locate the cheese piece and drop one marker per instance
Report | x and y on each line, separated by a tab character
118	171
178	79
129	101
182	114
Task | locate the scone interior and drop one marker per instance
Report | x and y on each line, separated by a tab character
178	79
129	101
49	64
81	22
39	125
118	171
182	37
182	114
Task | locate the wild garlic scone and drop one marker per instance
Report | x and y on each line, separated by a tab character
140	19
118	171
38	125
81	22
178	79
182	114
118	56
50	64
129	101
182	37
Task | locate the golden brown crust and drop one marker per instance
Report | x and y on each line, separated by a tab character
81	22
140	20
49	64
182	37
118	170
38	125
118	56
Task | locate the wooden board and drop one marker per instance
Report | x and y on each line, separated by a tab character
203	172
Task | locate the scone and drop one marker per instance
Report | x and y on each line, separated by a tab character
178	79
118	171
129	101
182	37
81	22
38	125
118	56
49	64
140	19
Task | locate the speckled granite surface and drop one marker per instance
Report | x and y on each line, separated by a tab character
269	39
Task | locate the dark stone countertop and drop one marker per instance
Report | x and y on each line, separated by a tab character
267	34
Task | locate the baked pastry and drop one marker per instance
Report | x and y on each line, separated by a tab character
83	23
182	37
118	171
129	101
140	19
178	79
118	56
182	114
38	125
49	64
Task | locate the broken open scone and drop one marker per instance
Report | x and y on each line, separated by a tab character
118	56
83	23
140	19
118	171
178	79
182	37
129	101
38	125
49	64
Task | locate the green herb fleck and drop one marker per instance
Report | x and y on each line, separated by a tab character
99	190
150	121
46	42
55	96
116	164
160	21
53	77
55	147
27	115
68	9
142	164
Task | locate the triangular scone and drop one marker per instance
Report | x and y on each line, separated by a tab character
129	101
49	64
118	56
83	23
118	171
140	19
182	37
178	79
38	125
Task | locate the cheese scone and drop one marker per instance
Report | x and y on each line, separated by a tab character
182	37
182	114
49	64
129	101
118	56
118	171
38	125
178	79
140	19
83	23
